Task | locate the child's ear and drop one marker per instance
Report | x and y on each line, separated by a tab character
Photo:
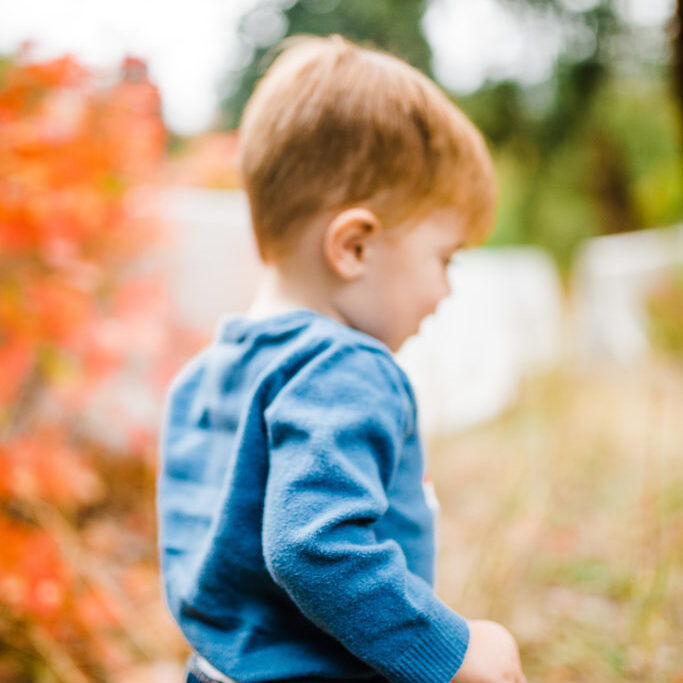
348	239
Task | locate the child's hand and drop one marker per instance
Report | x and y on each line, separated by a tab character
492	656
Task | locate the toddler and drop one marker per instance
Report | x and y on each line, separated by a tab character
296	537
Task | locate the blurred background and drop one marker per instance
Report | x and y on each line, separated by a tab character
550	383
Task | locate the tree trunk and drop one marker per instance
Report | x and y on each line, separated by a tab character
678	62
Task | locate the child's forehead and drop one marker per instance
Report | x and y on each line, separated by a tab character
444	226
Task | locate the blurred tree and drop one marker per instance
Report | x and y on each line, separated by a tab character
592	150
678	60
74	312
392	25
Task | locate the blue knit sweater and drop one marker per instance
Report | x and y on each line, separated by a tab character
296	541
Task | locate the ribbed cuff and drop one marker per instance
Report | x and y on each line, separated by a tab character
437	656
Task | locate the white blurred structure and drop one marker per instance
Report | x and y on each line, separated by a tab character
612	279
503	317
213	263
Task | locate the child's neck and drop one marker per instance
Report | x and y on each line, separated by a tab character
279	294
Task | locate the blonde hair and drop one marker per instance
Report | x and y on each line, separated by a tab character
333	125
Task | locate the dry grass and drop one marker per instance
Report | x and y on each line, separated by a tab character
563	520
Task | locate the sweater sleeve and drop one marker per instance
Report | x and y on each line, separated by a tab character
335	433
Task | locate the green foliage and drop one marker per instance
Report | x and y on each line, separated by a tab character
615	167
5	65
593	150
392	25
641	117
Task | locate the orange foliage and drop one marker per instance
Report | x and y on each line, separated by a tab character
33	576
75	313
209	160
45	467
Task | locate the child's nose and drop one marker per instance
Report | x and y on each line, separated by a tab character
440	296
445	290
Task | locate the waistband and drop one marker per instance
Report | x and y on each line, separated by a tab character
205	672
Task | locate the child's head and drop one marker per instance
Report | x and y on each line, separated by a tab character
339	133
